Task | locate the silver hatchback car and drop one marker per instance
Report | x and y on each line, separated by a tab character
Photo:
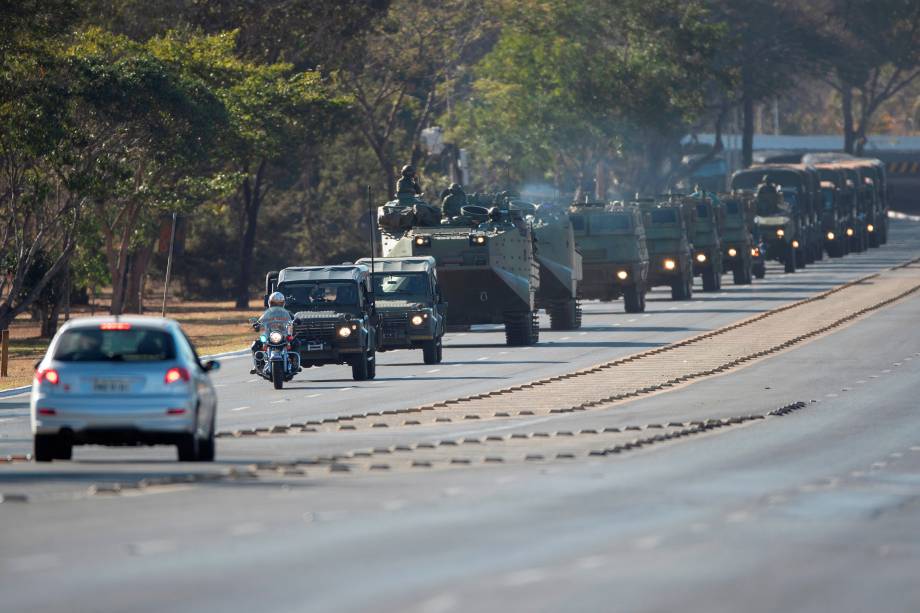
123	381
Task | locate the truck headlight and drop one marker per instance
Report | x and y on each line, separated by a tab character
275	338
795	244
780	232
417	320
870	228
670	264
622	275
344	331
831	236
732	252
700	257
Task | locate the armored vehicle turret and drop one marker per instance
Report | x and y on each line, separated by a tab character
409	304
335	319
611	239
486	265
667	226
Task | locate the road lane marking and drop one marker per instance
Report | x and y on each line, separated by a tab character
432	371
240	408
279	401
524	577
314	395
629	321
246	529
482	358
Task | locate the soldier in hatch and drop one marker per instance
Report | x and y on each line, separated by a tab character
454	201
408	186
769	196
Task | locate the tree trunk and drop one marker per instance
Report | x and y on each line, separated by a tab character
846	105
140	262
747	105
252	201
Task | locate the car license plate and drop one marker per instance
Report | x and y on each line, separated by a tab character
111	386
314	346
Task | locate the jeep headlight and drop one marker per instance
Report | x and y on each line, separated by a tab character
417	319
831	236
344	331
700	257
670	264
795	244
275	338
870	228
849	231
780	232
732	252
622	275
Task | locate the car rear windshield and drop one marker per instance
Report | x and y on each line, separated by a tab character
131	344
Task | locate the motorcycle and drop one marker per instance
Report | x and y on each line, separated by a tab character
276	359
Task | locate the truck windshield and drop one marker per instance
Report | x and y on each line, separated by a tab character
115	343
663	216
411	287
320	294
601	224
731	207
828	196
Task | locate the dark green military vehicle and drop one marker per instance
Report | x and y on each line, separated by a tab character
705	236
738	246
409	305
667	226
335	318
486	266
611	239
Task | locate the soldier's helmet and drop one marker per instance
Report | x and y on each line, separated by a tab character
454	188
276	299
408	170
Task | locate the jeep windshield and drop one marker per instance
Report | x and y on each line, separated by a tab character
663	216
604	224
319	295
404	287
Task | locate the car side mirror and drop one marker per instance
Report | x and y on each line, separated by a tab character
211	366
37	364
265	301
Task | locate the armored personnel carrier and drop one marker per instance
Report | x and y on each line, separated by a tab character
409	305
738	247
611	239
705	238
486	265
667	225
335	319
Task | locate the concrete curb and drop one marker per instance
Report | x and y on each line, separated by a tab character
22	391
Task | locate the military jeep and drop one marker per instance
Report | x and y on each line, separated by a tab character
740	254
611	239
335	318
408	298
669	250
705	236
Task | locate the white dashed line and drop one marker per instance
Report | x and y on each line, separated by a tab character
432	371
279	401
314	395
629	321
240	408
482	358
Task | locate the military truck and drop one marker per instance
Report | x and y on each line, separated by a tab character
705	237
837	208
486	265
409	305
739	251
560	263
611	239
335	318
667	225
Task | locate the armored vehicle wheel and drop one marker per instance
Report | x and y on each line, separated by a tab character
565	316
522	329
742	275
682	289
633	299
360	367
278	375
711	280
819	252
431	351
798	256
874	239
759	270
372	365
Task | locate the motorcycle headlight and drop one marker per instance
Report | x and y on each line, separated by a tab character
700	257
780	232
275	338
417	320
622	275
732	252
670	264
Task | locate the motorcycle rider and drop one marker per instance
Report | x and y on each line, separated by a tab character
276	317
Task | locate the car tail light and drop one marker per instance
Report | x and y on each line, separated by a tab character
175	411
44	411
176	374
116	325
48	375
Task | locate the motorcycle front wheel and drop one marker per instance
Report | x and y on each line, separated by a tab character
278	375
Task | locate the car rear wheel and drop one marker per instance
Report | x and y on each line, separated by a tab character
206	449
48	447
187	448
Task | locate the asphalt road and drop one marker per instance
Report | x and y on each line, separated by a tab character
816	510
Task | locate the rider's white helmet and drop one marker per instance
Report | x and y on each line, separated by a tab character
276	299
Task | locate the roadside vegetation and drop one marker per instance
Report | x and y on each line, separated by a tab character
261	125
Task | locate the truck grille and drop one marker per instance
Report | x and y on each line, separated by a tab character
315	330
